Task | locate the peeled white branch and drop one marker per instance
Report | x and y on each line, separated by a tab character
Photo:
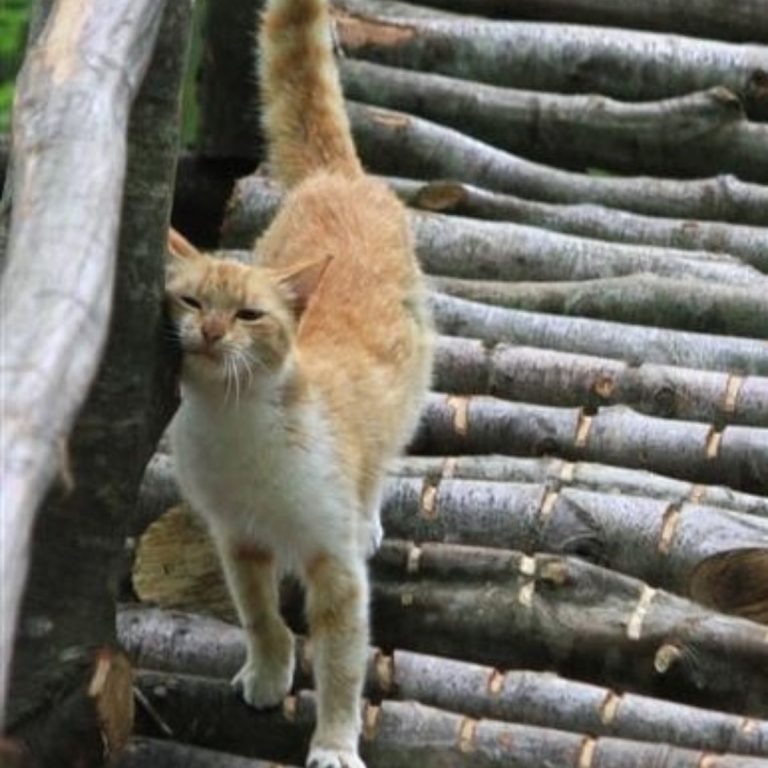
561	58
635	344
699	134
750	244
69	158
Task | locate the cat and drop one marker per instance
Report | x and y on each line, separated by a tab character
303	374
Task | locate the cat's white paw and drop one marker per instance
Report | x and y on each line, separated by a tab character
263	685
333	758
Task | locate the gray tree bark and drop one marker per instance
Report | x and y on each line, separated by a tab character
699	134
179	643
733	456
55	307
396	144
561	58
556	474
634	344
504	251
750	244
740	21
506	609
534	375
397	734
640	299
66	633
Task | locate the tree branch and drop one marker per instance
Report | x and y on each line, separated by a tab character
56	288
560	58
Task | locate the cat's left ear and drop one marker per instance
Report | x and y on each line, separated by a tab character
179	247
300	281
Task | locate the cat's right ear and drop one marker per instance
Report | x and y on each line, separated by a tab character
180	248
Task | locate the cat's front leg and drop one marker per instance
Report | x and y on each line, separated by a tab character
337	608
267	675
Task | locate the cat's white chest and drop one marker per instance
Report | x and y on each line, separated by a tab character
258	476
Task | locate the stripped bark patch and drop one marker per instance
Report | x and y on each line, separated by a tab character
748	725
467	734
604	386
568	473
414	560
635	624
547	506
460	408
697	494
583	429
666	657
428	501
496	682
714	439
587	753
357	31
370	722
669	528
449	467
732	391
609	707
385	671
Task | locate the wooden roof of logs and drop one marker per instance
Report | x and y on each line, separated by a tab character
575	569
587	494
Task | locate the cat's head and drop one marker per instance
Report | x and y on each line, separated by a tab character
236	322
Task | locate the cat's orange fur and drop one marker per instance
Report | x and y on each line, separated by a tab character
303	374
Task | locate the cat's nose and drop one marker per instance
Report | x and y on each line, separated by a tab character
212	332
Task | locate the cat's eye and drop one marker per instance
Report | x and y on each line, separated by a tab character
191	302
249	315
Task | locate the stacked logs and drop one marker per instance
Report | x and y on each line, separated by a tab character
577	545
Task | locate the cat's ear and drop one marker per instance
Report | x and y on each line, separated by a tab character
300	281
180	248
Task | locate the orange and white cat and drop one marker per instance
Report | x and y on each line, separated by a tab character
303	375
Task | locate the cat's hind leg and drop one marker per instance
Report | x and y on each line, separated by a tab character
337	608
251	577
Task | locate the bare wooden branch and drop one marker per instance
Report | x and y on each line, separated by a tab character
558	473
669	544
504	251
740	21
175	642
396	733
68	608
700	134
533	375
560	58
396	144
614	435
664	544
632	343
56	287
508	610
750	244
641	299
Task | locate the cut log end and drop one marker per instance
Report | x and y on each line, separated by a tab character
734	582
191	582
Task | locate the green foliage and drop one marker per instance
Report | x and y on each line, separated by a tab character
14	15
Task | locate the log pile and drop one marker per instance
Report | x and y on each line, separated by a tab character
576	559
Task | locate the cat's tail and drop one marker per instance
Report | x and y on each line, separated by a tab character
303	113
